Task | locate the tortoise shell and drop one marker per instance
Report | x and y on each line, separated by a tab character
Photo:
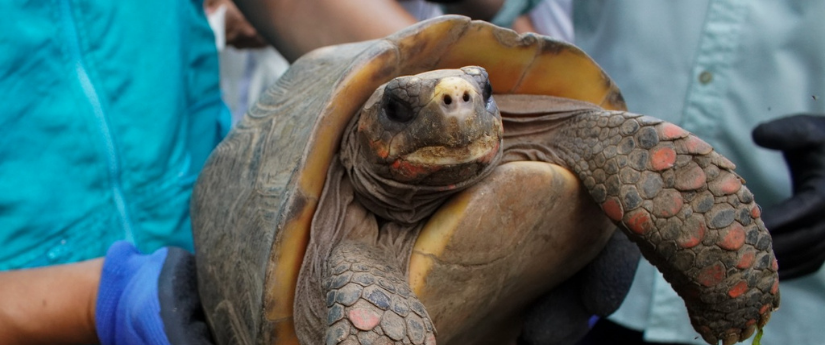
254	203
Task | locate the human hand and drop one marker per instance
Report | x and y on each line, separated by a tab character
506	13
476	9
237	30
797	224
149	299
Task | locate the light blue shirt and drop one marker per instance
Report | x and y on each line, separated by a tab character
717	68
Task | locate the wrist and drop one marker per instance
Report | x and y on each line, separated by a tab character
93	270
50	305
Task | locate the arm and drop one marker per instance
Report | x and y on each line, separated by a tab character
523	24
296	27
130	298
51	305
478	9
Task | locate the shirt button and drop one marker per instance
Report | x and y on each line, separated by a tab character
705	77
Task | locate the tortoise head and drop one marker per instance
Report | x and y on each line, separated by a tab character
437	128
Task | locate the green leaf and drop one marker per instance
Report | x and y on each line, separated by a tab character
758	338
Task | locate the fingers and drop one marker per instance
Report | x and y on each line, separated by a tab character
802	208
803	270
791	133
797	243
557	318
183	319
809	261
798	234
606	280
800	252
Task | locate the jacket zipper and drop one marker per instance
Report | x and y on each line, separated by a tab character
103	125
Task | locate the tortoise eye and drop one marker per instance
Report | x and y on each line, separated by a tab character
397	110
487	92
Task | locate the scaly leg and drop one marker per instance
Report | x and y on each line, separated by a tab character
370	302
689	212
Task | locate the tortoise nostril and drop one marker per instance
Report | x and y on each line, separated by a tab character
448	100
466	97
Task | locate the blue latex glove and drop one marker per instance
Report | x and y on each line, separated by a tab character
149	299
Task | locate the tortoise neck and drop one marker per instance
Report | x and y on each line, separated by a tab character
394	201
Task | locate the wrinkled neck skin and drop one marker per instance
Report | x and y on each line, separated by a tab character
406	204
534	127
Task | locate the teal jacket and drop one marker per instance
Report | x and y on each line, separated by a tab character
109	110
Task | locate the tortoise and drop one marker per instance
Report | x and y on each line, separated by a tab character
460	183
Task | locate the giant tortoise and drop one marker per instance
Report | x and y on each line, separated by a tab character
434	185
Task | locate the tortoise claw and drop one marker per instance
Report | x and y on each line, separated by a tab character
731	338
709	337
747	333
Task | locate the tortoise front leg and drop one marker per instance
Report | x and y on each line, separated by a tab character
370	302
689	212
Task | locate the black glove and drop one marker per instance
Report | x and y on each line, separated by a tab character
797	224
564	314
